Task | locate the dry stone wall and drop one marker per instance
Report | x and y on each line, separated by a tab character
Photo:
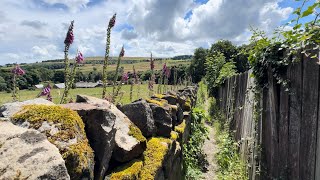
94	139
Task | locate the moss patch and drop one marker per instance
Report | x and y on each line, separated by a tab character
161	102
187	105
160	96
136	133
153	157
174	135
70	126
181	127
129	171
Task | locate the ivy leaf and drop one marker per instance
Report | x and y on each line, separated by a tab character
297	11
308	11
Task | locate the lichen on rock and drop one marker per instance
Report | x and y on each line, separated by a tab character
65	129
136	133
154	156
174	135
129	171
181	127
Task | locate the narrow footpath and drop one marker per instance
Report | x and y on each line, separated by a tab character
210	149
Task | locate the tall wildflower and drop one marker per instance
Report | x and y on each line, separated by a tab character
67	42
78	60
114	92
132	83
106	56
152	78
166	74
175	77
16	71
136	81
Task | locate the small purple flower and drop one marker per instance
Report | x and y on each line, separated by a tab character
125	77
17	70
112	21
46	91
69	37
122	52
79	58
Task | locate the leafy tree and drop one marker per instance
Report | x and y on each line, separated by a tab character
214	63
58	77
225	47
3	84
227	70
197	67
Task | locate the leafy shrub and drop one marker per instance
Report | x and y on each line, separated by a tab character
194	158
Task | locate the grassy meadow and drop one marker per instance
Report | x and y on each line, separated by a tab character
96	92
139	66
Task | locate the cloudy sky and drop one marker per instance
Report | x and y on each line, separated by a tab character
34	30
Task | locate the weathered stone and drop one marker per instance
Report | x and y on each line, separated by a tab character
8	109
65	129
27	154
99	127
171	99
180	115
129	142
140	114
163	120
173	163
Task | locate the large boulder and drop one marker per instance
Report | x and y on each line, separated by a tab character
64	128
140	114
129	141
99	127
8	109
27	154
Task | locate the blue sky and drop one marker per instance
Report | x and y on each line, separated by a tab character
34	30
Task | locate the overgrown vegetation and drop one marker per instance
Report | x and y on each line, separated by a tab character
194	158
228	160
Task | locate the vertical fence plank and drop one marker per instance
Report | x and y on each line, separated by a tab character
283	132
295	78
271	118
317	168
309	118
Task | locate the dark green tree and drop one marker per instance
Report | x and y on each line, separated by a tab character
197	67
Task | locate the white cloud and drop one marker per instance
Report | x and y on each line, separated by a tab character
33	32
73	5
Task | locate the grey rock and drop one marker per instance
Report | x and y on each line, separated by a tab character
162	119
27	154
8	109
127	147
100	131
141	115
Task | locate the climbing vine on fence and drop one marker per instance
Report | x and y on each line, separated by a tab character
274	54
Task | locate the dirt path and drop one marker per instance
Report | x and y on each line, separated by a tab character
210	149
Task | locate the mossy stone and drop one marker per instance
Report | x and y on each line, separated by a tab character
154	156
129	171
78	155
136	133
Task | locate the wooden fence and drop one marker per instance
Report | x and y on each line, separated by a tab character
280	136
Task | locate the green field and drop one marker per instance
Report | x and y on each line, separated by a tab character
139	66
96	92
